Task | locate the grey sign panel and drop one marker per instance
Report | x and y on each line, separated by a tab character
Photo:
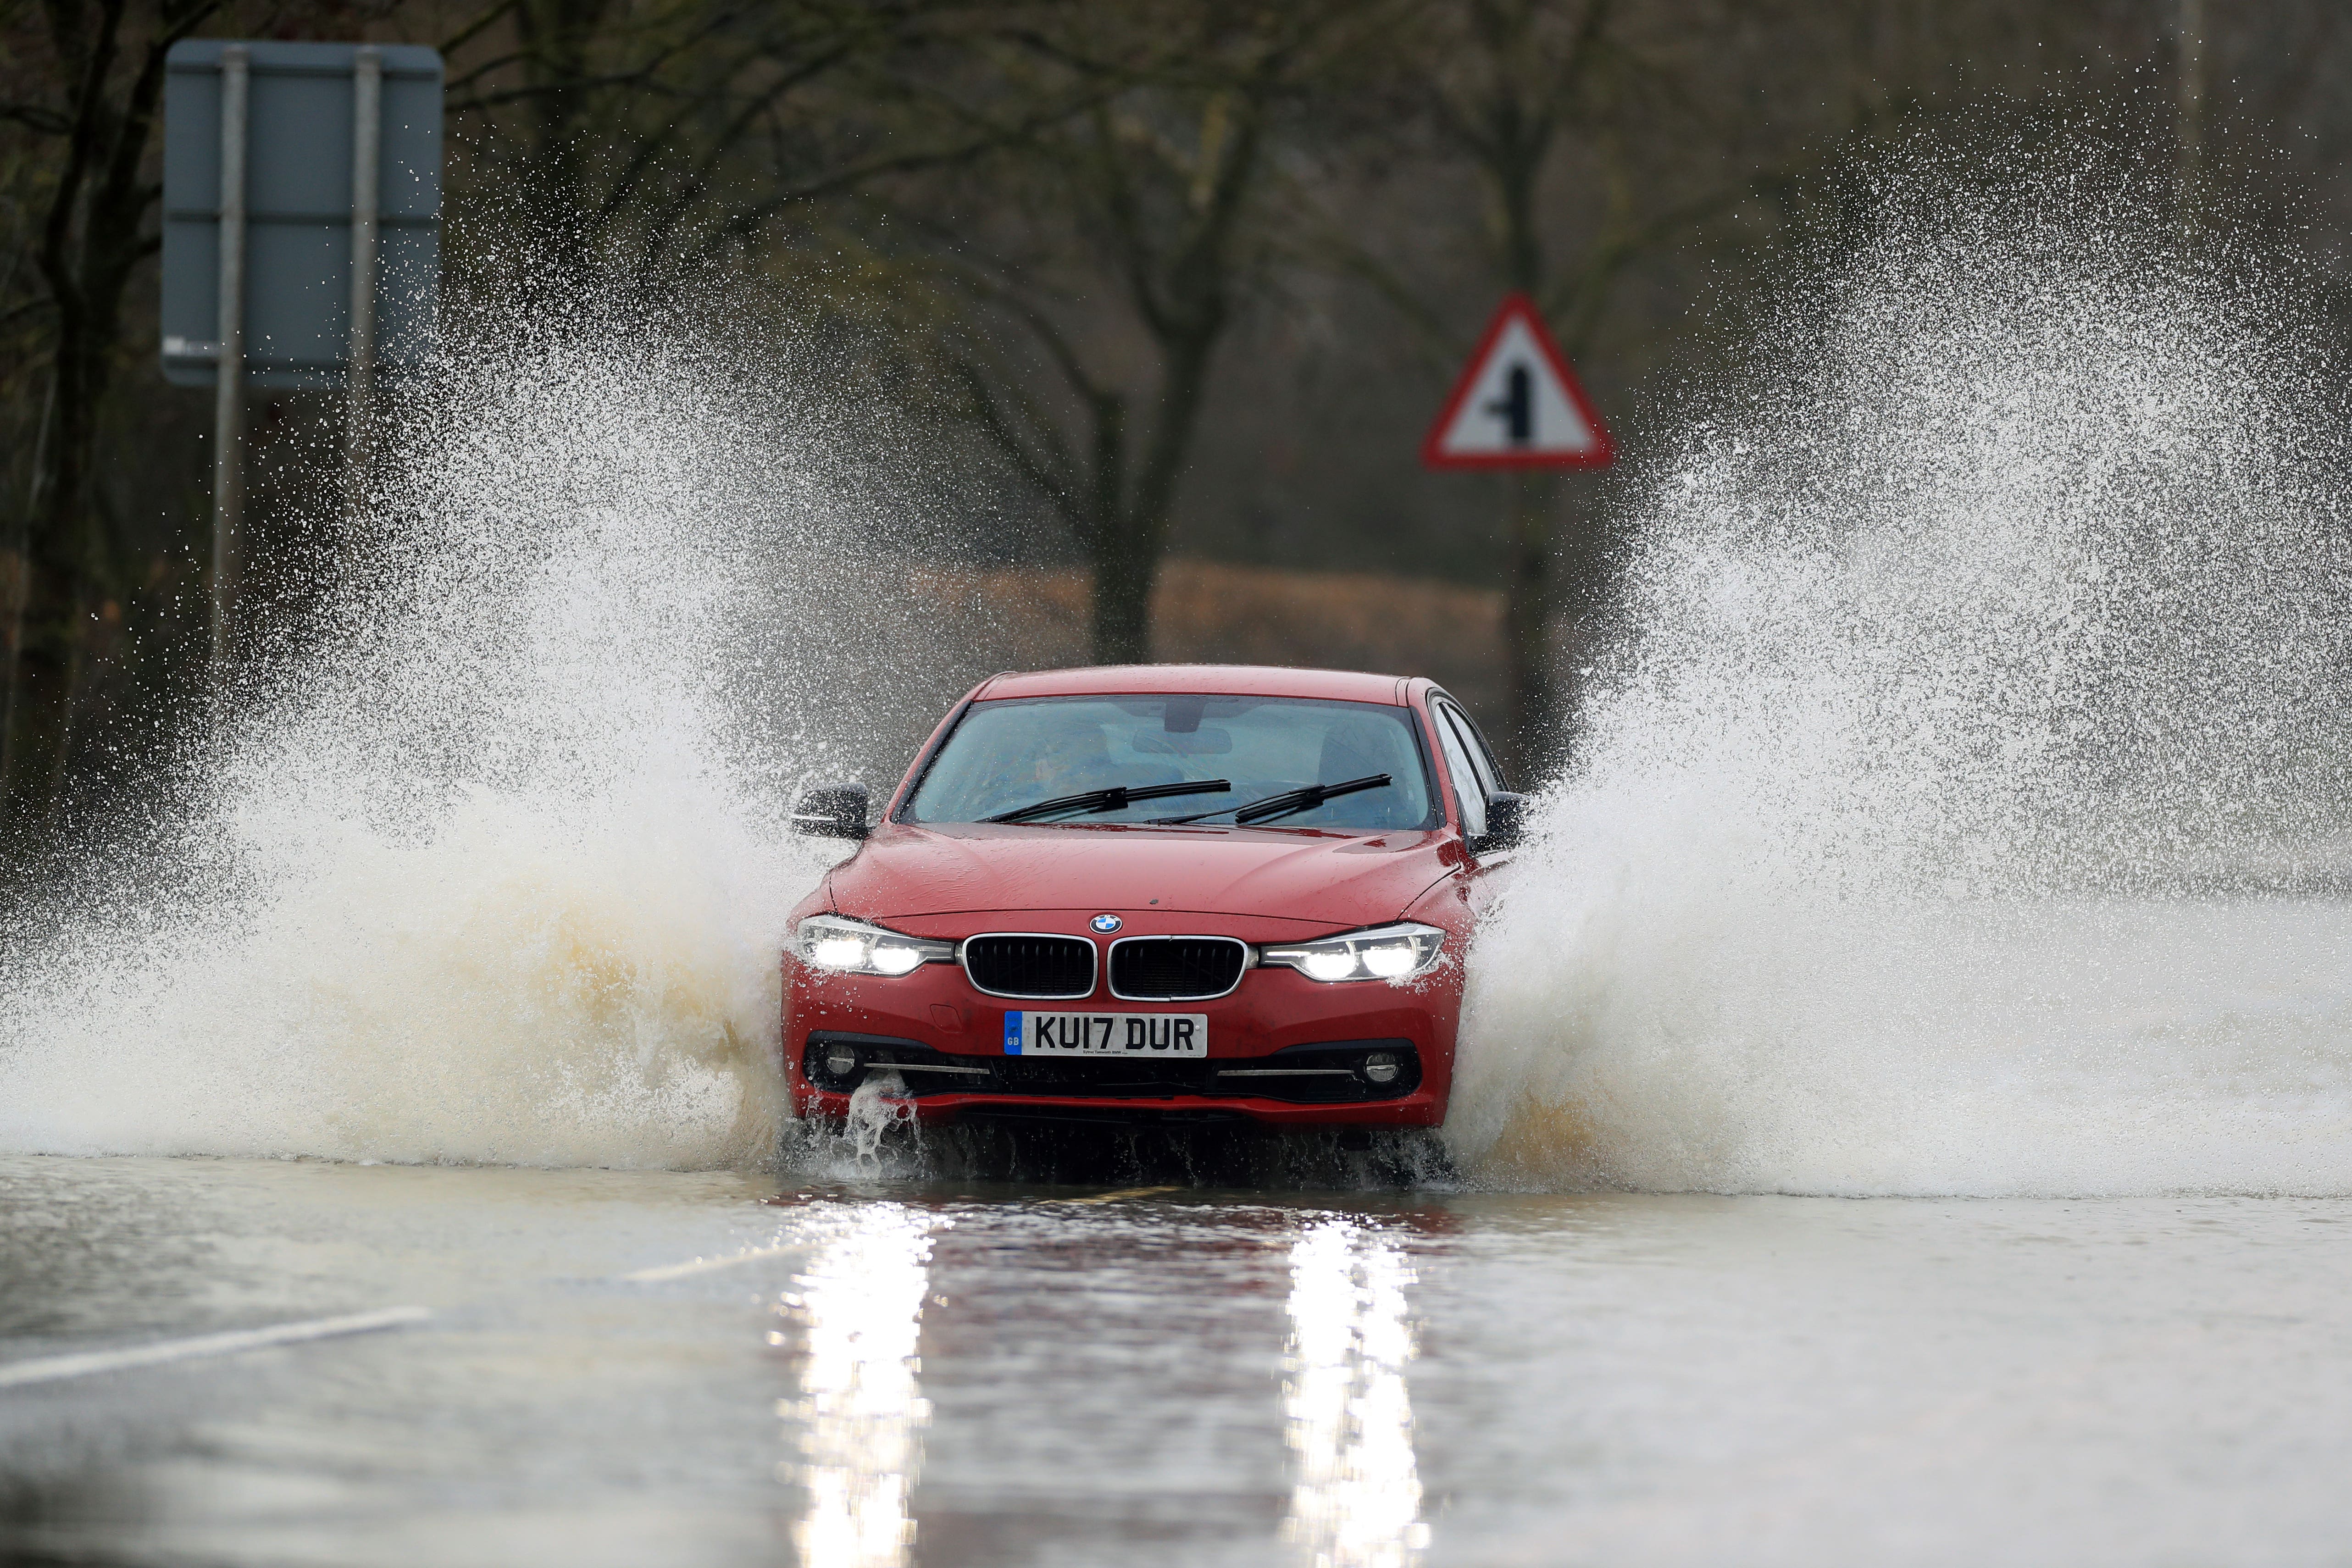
299	138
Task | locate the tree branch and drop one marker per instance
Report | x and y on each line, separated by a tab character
1051	475
474	28
81	149
37	118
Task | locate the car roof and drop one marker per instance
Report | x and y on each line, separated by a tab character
1237	680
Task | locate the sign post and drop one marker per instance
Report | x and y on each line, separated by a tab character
367	155
228	399
1518	407
302	239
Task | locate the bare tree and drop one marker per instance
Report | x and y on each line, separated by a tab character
650	137
1601	135
1135	225
95	104
1597	109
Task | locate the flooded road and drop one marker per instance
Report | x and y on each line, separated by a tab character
640	1368
1961	805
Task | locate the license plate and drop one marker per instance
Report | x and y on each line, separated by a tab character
1155	1035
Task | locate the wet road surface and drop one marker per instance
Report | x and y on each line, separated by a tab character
649	1368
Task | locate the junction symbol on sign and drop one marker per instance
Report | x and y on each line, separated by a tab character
1517	405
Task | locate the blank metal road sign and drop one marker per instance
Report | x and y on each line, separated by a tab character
1517	405
299	209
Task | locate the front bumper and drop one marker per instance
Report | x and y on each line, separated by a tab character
935	1043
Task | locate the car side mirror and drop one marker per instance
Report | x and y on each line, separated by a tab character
833	812
1507	824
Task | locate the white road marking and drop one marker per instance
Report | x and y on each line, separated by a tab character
51	1368
704	1265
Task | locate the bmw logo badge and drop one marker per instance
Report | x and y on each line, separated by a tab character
1106	924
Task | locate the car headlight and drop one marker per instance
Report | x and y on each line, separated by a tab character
1393	953
853	947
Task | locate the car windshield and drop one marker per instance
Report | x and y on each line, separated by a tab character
1008	754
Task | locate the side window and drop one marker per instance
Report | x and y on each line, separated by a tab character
1480	752
1467	783
1474	745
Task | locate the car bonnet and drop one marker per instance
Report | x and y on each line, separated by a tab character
1335	879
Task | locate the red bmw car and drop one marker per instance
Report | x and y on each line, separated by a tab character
1165	893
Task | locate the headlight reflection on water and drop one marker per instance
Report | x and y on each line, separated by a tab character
861	1411
1356	1502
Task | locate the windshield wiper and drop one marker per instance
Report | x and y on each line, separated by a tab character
1112	798
1281	805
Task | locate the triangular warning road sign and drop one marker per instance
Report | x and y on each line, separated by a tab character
1517	405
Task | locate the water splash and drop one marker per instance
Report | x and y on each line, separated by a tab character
493	868
1969	814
